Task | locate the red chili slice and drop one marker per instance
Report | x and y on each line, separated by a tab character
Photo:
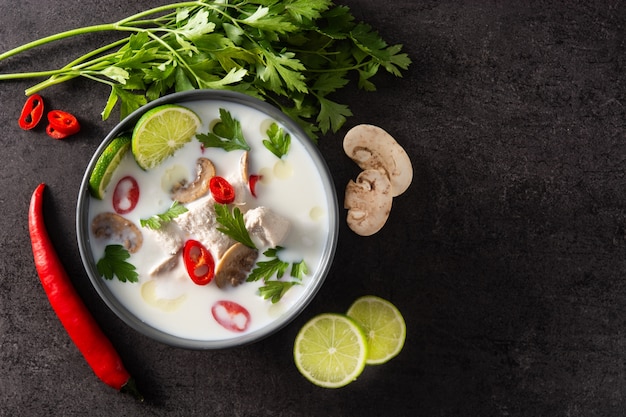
62	123
231	316
222	191
199	262
252	183
31	112
55	134
125	195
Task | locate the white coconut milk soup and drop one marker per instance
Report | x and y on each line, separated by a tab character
290	188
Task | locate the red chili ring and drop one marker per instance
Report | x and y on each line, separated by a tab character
31	112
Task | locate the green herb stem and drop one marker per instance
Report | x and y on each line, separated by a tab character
279	54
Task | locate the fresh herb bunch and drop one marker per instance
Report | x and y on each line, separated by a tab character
293	53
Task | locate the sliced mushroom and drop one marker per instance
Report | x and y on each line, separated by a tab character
115	227
188	192
373	148
235	265
243	166
368	201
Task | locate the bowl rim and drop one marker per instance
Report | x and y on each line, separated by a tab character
83	236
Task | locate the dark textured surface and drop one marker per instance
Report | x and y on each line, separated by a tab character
507	255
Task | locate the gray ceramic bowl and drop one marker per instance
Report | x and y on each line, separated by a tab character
314	282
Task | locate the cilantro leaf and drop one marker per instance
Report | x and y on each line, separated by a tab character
233	224
278	141
274	290
299	269
227	134
265	270
156	221
271	272
114	264
332	115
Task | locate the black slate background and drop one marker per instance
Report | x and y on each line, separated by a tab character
506	255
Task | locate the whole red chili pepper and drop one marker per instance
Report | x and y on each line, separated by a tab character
31	112
71	311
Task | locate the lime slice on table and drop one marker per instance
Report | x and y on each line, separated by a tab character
106	164
384	327
330	350
161	131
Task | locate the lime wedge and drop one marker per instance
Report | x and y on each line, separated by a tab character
161	131
384	327
106	164
330	350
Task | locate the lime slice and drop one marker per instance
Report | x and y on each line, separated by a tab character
106	164
330	350
384	327
161	131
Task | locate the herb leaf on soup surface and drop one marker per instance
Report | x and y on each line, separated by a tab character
226	134
271	272
233	224
114	264
278	141
157	221
294	54
274	290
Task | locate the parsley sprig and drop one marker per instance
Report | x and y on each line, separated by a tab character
278	141
271	272
293	53
114	264
226	134
157	221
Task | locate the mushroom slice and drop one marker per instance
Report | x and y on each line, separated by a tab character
165	266
368	201
373	148
115	227
186	193
243	166
235	265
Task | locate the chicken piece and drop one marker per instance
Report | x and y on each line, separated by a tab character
265	226
169	237
200	221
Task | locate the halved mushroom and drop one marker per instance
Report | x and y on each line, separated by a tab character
235	265
373	148
115	227
188	192
368	201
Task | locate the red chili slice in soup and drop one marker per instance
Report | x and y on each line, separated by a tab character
126	195
231	316
222	191
199	262
252	181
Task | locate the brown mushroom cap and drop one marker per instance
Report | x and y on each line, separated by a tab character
234	266
115	227
368	201
186	193
371	147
